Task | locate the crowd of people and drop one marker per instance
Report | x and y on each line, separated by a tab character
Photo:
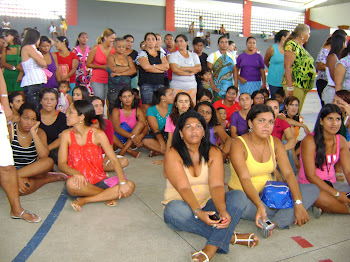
73	115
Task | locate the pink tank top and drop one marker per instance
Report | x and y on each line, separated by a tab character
100	75
131	120
328	172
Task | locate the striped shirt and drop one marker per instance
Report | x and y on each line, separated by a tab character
22	156
33	73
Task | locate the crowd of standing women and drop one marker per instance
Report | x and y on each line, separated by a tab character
199	111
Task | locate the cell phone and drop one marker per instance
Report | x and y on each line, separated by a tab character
348	194
214	216
268	225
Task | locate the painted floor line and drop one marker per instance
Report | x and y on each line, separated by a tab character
35	241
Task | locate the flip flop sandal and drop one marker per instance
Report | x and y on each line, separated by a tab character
112	203
317	212
26	211
74	205
249	240
197	253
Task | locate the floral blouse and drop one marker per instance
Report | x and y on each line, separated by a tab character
346	63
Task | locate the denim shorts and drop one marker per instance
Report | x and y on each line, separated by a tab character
32	94
147	90
101	184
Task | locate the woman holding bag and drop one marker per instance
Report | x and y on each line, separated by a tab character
253	158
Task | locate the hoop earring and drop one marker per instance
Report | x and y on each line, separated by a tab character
250	129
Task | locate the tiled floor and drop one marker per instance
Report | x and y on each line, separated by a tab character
134	230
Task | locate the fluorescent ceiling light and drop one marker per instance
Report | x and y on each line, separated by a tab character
292	3
313	3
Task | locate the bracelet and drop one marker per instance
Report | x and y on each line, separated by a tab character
122	183
13	68
337	195
4	95
133	136
195	212
290	88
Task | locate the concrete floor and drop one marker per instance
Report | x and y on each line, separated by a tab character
134	229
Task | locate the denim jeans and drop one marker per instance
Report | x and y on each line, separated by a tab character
178	216
273	90
100	89
284	217
147	90
32	94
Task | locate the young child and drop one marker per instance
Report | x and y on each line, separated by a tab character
225	124
280	96
137	95
207	80
207	39
64	99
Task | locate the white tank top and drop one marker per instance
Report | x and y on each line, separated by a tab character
33	73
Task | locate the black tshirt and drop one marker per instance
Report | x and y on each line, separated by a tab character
55	129
133	56
151	78
203	59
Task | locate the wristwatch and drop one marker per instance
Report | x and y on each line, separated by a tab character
298	202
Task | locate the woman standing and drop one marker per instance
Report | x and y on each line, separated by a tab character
129	123
67	61
80	157
156	117
195	190
342	71
238	119
152	65
11	61
83	73
33	63
129	40
97	60
300	72
120	68
319	153
53	122
250	69
274	60
184	65
253	157
51	61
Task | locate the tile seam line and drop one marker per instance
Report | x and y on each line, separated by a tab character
164	222
317	249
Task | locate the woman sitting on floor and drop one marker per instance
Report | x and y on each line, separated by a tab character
30	152
218	136
195	190
80	157
80	93
107	126
156	118
319	152
129	122
253	158
16	99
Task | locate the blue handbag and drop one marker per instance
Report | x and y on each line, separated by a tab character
277	195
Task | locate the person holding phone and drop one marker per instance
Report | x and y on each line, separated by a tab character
195	190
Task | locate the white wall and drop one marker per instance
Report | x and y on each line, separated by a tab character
332	15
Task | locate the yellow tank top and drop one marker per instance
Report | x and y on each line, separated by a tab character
259	172
199	186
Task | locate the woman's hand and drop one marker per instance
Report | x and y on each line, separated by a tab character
260	214
137	140
163	147
289	93
343	198
23	185
306	129
64	78
34	129
79	181
301	216
225	219
242	80
124	190
204	216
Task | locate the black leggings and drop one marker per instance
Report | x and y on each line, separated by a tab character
321	84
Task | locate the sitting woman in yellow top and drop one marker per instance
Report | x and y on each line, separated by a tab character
195	190
253	158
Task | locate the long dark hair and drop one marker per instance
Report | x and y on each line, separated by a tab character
64	40
280	34
343	94
80	34
102	121
214	120
43	39
174	114
337	44
85	108
118	102
318	133
158	94
84	92
31	37
16	38
287	102
179	145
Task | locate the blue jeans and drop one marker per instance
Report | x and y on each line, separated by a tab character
179	216
273	90
147	90
32	94
284	217
100	89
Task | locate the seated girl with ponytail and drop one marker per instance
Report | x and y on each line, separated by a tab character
80	157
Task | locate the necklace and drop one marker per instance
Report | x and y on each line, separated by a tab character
261	154
18	133
330	158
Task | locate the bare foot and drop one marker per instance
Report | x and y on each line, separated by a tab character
111	203
247	239
158	162
135	154
56	176
76	205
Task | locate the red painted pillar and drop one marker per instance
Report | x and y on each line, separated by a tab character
307	17
170	15
247	17
72	12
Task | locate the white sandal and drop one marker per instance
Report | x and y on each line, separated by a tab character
249	240
197	253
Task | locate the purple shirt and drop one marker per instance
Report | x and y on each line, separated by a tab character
51	82
238	121
250	66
